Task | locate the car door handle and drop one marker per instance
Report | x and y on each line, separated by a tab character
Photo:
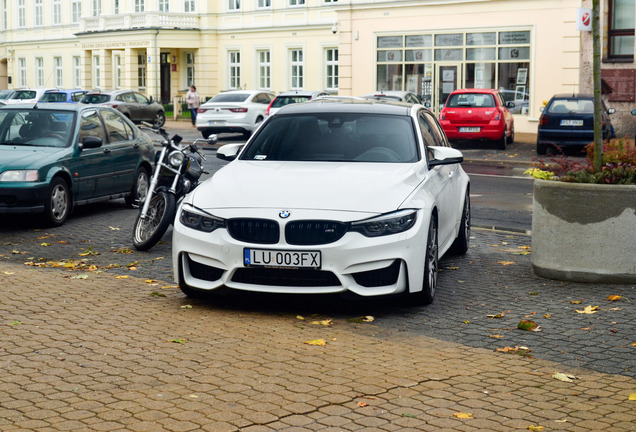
451	174
106	150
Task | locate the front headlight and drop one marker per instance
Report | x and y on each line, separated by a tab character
390	223
20	176
199	221
176	159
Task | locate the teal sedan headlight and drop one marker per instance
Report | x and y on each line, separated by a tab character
20	176
390	223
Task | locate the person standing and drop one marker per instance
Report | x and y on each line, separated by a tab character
194	101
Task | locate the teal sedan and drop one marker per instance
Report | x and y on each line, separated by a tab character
56	156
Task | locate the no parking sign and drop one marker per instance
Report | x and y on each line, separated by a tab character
584	19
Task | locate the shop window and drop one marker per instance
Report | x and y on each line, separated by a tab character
480	75
514	85
621	30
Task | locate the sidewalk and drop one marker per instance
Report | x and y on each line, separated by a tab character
106	352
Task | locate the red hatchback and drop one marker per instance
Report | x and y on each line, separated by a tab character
478	114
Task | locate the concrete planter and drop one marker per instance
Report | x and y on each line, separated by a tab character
584	232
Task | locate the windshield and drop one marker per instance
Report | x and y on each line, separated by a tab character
232	97
281	101
580	106
342	137
36	127
470	100
23	94
53	97
95	98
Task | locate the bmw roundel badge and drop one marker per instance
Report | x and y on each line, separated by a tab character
284	214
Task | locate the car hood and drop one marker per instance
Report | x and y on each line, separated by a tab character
356	187
24	157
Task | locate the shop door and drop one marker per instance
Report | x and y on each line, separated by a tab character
447	79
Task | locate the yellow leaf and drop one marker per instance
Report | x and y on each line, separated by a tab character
463	415
149	281
535	428
132	268
362	404
368	318
632	396
505	263
614	297
588	310
114	228
496	336
563	377
121	277
45	244
317	342
300	317
634	344
324	322
576	302
194	396
501	315
8	273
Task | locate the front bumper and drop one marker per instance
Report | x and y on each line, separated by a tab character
28	199
366	266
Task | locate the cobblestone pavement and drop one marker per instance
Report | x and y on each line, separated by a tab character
95	336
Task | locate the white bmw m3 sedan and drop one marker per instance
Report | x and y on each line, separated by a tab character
329	196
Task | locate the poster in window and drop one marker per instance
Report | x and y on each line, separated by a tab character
520	93
522	76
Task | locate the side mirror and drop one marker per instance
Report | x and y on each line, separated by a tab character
91	142
213	139
151	100
444	156
427	104
229	152
510	104
634	112
612	111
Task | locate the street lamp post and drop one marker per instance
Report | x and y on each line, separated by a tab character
596	76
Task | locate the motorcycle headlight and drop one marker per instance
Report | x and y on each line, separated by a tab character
176	159
199	221
391	223
20	176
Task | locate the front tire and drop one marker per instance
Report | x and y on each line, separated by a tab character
161	211
139	189
431	266
57	204
160	119
461	243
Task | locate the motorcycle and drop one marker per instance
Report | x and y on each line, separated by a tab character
177	172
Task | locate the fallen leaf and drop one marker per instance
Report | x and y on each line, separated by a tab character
463	415
156	294
89	251
323	322
561	421
300	317
317	342
193	396
121	277
362	404
505	263
8	272
634	344
114	228
466	322
564	377
586	328
81	276
547	316
528	325
452	268
180	341
588	310
535	428
45	244
501	315
496	336
632	396
361	319
149	281
124	250
186	307
13	323
614	297
576	301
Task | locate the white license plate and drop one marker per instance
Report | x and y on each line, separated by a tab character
278	258
216	122
571	122
469	129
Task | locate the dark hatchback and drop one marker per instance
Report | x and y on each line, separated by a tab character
568	120
58	155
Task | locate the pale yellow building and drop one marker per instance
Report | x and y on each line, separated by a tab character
531	49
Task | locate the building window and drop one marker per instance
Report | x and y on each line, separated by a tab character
331	1
5	16
621	29
57	11
39	72
264	70
21	14
117	71
234	63
38	13
189	69
97	72
59	81
263	4
139	5
116	7
234	4
97	7
296	2
297	69
188	5
331	71
141	71
164	5
77	72
22	72
76	11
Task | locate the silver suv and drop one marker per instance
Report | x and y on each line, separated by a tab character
134	105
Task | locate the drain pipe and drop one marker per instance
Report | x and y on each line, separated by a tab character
157	65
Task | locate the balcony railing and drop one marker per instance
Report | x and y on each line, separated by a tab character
139	20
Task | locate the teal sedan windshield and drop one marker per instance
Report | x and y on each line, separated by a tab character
36	127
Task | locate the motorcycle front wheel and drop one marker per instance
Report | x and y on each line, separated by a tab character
161	212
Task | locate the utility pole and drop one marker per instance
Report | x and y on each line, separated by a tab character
596	76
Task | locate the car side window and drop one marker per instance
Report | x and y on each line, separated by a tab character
129	98
116	128
75	97
140	98
91	125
